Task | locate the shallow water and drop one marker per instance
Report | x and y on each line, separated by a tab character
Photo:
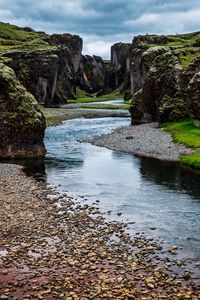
146	191
114	102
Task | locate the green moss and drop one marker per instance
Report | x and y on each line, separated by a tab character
184	132
180	43
188	58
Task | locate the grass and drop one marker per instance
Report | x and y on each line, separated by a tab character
93	98
129	102
14	37
185	132
187	59
106	106
192	160
54	120
51	115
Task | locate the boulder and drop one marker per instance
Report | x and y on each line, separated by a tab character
22	125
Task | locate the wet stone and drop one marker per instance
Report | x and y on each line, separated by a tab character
60	249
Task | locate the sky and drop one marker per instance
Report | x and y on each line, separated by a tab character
101	23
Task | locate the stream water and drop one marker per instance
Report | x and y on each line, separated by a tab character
149	192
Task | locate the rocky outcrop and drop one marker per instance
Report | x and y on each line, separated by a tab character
193	98
50	72
159	78
156	73
116	75
47	73
47	65
22	125
92	73
74	44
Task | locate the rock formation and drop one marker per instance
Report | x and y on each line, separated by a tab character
47	73
22	125
39	67
193	98
158	74
118	71
92	73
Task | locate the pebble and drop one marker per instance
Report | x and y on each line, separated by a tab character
144	140
57	248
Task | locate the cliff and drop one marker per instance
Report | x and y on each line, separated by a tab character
37	67
116	75
161	70
160	74
22	125
92	73
47	65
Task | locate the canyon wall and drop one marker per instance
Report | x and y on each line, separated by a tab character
161	76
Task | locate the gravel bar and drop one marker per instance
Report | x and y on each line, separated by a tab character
55	247
143	140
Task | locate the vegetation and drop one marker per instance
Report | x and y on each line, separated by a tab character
192	160
14	37
186	133
93	98
129	102
188	58
106	106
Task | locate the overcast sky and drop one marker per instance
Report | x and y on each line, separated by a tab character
102	23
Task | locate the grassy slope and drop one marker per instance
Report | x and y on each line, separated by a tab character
186	46
93	98
186	133
13	37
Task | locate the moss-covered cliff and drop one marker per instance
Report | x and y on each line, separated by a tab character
160	74
47	65
37	67
22	125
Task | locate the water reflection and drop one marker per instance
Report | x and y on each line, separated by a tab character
171	175
147	191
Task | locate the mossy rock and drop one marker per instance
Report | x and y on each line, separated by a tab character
22	125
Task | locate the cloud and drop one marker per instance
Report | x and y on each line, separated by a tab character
102	23
166	23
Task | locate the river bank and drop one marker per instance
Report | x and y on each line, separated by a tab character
143	140
55	248
55	116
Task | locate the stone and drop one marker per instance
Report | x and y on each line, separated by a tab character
22	125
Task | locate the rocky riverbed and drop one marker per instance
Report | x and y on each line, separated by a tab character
143	140
54	247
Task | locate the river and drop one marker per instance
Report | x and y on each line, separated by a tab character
148	193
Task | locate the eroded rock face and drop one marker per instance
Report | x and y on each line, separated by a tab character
157	73
74	43
92	73
47	73
193	98
22	125
119	70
